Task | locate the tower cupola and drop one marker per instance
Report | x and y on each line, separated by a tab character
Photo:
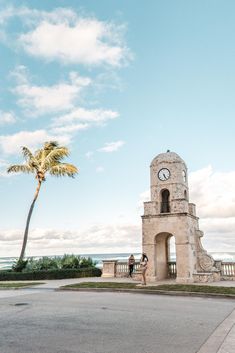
169	183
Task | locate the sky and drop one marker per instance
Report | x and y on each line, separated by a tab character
118	82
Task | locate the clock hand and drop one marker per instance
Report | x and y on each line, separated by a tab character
164	175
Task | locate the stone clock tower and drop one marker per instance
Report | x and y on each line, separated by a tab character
169	214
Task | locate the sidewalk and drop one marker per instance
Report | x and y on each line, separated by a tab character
222	339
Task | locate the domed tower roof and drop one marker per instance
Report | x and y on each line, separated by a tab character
168	157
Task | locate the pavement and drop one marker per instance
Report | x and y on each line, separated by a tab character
221	339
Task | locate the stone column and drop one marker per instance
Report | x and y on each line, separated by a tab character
184	263
109	268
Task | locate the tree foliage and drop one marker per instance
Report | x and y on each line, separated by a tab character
47	159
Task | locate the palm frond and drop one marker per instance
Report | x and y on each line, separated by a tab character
62	169
57	154
27	153
23	168
54	156
41	154
46	159
34	164
38	154
50	145
30	158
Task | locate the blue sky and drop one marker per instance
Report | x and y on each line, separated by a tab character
118	82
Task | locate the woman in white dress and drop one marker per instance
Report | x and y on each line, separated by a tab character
144	266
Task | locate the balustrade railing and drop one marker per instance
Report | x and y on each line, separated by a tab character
122	269
228	269
172	269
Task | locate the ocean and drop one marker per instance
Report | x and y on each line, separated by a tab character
6	262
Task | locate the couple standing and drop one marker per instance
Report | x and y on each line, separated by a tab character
143	266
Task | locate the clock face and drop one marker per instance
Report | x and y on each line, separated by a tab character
184	175
164	174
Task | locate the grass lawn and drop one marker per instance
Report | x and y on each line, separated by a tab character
164	287
15	285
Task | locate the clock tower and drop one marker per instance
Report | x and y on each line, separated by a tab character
169	214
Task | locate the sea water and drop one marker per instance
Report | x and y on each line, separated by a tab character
7	262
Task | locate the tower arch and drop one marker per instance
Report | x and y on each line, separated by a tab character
163	254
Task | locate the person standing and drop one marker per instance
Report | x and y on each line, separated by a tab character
131	263
143	267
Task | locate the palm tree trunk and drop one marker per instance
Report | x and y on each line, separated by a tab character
28	221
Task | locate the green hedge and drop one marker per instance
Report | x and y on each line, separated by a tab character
50	274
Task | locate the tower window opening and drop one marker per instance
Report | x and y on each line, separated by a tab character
185	195
165	205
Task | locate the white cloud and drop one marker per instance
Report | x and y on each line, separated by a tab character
81	119
97	238
213	193
20	74
111	146
65	36
3	168
219	234
88	41
11	144
7	118
6	14
70	128
44	99
99	169
61	97
143	197
94	116
31	17
89	154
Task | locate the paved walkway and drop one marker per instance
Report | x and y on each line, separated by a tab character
222	339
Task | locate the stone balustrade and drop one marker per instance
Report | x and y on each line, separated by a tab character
114	268
122	269
228	270
172	269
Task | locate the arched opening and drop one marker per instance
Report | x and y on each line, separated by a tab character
165	204
165	256
185	195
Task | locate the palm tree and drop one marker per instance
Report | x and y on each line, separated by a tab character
45	160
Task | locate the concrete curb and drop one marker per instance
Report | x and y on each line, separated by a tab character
149	291
222	339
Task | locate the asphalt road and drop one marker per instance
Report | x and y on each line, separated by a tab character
79	322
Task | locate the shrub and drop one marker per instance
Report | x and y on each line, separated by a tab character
44	263
53	263
86	262
70	261
19	265
50	274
